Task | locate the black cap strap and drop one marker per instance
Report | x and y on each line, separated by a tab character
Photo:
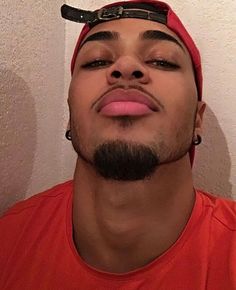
106	14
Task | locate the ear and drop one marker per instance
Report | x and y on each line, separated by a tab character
68	126
199	118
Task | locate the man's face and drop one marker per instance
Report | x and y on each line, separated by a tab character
132	62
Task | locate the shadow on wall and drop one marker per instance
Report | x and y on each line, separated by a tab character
212	166
17	138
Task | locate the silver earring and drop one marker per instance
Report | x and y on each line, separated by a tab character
68	135
197	140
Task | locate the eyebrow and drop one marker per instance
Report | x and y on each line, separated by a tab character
147	35
160	35
101	36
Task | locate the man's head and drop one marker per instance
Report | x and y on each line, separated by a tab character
135	94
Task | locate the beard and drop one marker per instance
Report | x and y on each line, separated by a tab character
123	160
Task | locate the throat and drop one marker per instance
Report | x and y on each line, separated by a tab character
122	226
125	236
120	247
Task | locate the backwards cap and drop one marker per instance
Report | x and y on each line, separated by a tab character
155	11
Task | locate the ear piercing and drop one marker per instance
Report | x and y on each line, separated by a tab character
68	135
197	140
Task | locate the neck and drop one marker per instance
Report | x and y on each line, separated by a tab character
121	226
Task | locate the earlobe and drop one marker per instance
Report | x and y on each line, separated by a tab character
68	132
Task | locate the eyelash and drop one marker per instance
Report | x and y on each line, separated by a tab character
164	64
96	64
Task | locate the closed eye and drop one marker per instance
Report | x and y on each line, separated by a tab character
163	64
98	63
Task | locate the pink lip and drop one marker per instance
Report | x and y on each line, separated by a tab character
120	102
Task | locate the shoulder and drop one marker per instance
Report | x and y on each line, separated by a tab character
41	200
34	213
223	211
219	219
31	220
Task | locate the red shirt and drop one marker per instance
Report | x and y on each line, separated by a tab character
37	249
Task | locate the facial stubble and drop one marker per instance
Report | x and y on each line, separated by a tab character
123	160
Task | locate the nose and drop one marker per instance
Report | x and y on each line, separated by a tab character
127	69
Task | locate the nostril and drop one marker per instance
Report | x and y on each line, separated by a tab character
116	74
138	74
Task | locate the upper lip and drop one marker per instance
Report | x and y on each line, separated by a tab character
126	95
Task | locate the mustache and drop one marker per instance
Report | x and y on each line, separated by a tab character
128	87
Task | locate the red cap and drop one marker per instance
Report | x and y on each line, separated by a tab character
174	24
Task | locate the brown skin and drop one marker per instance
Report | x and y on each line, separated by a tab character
121	226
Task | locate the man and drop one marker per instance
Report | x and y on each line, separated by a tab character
131	218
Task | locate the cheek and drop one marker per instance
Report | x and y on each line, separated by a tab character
86	87
175	84
79	104
179	96
182	114
88	78
83	92
177	90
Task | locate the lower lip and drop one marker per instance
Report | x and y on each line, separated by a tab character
115	109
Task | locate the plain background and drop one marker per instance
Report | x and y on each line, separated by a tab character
36	45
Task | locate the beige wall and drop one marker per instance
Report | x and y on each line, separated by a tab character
32	52
35	48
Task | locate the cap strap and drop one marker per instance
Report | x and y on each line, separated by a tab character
111	13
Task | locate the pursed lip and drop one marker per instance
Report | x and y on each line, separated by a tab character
126	95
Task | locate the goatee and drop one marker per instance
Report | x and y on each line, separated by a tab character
125	161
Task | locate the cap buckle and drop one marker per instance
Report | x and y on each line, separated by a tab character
110	13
